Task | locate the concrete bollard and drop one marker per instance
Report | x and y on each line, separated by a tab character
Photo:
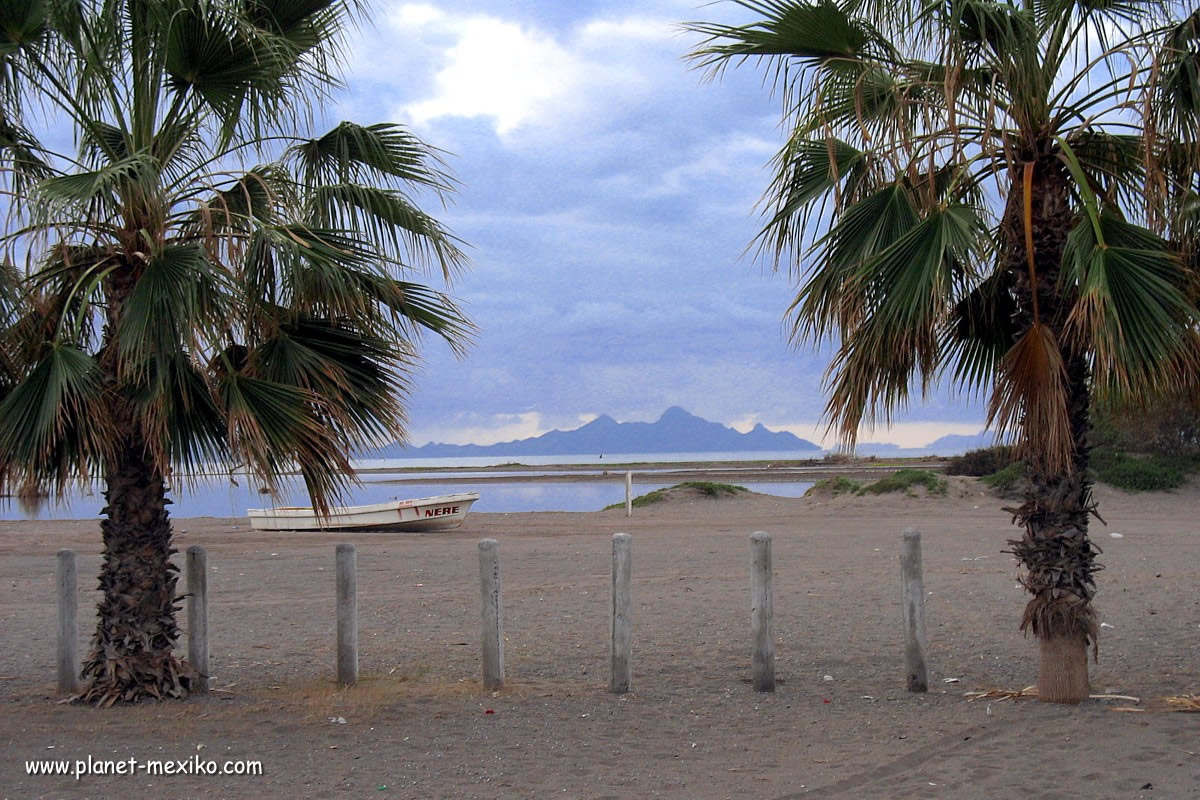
492	614
68	625
762	612
621	626
629	494
197	613
347	615
913	598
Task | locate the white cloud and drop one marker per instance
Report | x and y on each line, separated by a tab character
415	14
520	75
498	69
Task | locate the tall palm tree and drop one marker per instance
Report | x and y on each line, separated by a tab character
197	283
1003	192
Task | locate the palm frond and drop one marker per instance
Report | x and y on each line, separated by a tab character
1134	309
1029	402
179	296
982	329
356	373
353	153
54	426
815	31
390	219
833	296
182	423
806	172
274	427
904	292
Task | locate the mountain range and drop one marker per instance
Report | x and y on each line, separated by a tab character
676	431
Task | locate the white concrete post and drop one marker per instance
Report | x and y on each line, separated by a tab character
492	614
347	615
913	597
629	494
197	612
68	627
621	626
762	612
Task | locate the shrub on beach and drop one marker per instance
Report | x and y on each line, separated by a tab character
981	462
1005	480
706	488
906	480
834	486
1131	473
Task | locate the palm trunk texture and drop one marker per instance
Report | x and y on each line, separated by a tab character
132	653
1055	551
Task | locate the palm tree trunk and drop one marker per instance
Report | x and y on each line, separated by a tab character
132	653
1055	550
1061	561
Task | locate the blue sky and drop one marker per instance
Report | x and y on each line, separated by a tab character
608	197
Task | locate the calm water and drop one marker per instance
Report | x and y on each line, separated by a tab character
221	498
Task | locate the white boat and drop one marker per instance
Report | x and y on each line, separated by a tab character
423	514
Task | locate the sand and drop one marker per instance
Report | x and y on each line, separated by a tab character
419	725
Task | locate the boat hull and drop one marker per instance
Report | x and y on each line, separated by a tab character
422	514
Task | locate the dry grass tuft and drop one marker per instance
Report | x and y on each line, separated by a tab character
1184	702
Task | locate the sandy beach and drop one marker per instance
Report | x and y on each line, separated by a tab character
419	724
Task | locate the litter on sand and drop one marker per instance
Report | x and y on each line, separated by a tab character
1031	691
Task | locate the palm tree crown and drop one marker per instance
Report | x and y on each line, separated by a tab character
197	283
1000	192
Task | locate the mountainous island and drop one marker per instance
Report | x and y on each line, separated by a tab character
676	431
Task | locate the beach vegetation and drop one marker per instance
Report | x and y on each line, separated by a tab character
907	481
1005	479
834	486
984	461
204	280
704	488
1142	473
1000	195
1170	427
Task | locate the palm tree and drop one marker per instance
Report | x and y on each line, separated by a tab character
998	192
197	284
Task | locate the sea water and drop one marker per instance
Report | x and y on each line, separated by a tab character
231	495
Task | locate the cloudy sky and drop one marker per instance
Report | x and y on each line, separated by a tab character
608	197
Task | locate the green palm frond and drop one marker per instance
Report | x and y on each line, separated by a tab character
391	219
816	31
981	329
21	155
1133	310
356	372
274	427
101	188
53	422
903	293
245	74
22	23
834	297
237	206
1115	165
352	153
183	424
179	297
